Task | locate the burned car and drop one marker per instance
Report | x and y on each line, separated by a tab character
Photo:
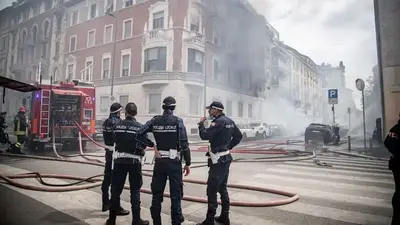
322	132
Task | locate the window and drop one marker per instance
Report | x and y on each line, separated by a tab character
109	6
91	38
46	29
72	43
250	110
57	51
128	3
195	60
194	104
104	104
123	100
215	35
195	23
34	34
92	11
228	108
59	23
70	72
158	20
74	18
88	114
125	59
216	69
155	59
240	109
127	28
88	71
108	33
106	68
154	103
44	50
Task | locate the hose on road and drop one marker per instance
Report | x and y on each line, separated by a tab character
94	181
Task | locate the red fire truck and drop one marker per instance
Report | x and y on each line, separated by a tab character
54	111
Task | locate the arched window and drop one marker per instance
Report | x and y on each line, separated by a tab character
55	74
34	33
46	26
23	36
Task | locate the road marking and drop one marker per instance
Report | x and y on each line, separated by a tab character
323	194
318	172
83	205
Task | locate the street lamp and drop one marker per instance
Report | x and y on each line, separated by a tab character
360	84
112	98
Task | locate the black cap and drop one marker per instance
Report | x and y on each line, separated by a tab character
215	105
169	101
115	107
3	113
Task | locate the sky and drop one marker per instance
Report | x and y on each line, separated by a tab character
328	31
325	30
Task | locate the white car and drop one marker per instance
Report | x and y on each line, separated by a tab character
247	131
262	130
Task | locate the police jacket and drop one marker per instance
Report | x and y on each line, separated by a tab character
392	141
223	135
125	132
169	133
20	124
108	126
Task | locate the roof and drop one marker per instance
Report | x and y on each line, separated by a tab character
17	85
68	92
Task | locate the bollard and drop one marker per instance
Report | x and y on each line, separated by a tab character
349	142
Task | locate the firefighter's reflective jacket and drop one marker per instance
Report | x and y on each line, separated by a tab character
20	124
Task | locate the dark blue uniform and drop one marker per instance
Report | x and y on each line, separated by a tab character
223	135
170	135
392	143
109	140
127	159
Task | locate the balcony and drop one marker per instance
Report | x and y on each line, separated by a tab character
194	38
156	36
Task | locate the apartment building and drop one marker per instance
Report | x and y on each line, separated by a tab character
27	43
143	51
306	84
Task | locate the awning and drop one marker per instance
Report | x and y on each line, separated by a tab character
68	92
17	85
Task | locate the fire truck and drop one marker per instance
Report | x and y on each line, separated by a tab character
55	111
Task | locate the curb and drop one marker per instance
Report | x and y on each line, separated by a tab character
357	155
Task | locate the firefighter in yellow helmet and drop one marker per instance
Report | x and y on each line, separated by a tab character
20	127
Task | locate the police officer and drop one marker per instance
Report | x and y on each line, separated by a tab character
223	135
109	140
171	139
128	158
392	143
20	126
3	125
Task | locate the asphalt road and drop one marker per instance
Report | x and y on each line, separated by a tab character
351	191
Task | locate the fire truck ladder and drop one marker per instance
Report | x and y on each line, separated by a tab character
45	113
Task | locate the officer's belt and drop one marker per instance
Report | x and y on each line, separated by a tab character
219	154
166	154
118	155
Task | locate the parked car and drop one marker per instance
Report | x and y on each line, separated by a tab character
277	130
98	134
316	131
262	130
247	131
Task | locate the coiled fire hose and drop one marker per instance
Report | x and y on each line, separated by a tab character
95	181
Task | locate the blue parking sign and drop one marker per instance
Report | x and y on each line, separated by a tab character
333	96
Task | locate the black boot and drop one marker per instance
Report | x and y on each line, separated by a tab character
207	221
141	222
122	212
112	218
223	218
106	205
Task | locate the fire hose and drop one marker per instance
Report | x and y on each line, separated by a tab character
95	181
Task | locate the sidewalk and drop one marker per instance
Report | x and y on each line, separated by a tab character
357	147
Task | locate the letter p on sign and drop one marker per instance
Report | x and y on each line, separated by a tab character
333	96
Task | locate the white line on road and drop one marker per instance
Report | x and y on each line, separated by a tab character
83	205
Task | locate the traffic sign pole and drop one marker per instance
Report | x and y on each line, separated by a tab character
333	114
333	99
360	84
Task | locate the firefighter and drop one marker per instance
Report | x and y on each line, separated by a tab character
392	143
223	135
20	127
128	158
171	140
109	141
3	125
